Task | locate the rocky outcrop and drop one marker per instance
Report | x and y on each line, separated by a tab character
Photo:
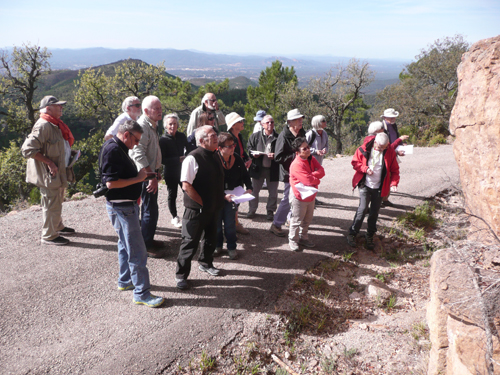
455	314
475	121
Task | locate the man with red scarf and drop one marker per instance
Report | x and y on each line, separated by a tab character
48	149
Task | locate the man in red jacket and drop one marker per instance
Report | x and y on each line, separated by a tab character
305	175
377	173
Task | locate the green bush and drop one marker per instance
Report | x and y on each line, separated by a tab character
437	139
13	185
421	217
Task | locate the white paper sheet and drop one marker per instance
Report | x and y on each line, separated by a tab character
305	191
239	195
408	149
258	152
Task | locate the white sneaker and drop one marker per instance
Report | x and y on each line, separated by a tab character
176	222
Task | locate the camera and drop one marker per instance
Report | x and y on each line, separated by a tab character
100	190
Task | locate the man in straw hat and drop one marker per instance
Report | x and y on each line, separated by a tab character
391	129
48	149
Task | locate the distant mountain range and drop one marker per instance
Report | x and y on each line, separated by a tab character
194	64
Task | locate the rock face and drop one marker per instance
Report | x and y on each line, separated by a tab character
455	318
475	121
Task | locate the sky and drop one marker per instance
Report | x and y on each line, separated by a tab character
388	29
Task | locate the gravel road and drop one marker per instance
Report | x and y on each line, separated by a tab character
62	312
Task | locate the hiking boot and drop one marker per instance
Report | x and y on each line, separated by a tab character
126	287
232	254
277	231
58	241
157	245
241	230
155	253
182	284
387	204
176	222
270	216
306	243
151	301
369	244
217	251
294	246
67	231
210	270
351	240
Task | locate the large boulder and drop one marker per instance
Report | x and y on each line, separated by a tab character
475	121
455	314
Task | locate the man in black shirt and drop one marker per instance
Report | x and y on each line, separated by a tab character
123	180
202	180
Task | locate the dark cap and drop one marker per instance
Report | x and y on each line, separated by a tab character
49	100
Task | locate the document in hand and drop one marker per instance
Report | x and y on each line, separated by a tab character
305	191
408	149
257	152
239	195
74	158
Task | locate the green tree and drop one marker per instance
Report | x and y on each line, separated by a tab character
12	176
97	97
355	125
337	91
274	81
20	73
427	89
100	94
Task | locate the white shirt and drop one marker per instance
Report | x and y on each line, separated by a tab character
189	169
375	164
113	129
257	127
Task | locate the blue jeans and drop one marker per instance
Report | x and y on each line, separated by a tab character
228	216
284	208
367	196
132	256
149	214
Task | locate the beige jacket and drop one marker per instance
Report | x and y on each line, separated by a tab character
47	139
193	120
147	152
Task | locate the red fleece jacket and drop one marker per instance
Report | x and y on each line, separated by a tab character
360	160
307	171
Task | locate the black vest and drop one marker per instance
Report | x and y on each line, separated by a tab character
208	183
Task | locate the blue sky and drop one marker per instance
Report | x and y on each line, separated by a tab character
396	29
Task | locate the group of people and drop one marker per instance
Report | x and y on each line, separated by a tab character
208	163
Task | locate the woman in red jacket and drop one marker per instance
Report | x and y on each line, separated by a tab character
305	174
377	173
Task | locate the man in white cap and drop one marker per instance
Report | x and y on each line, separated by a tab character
48	149
131	108
258	117
391	129
284	155
208	105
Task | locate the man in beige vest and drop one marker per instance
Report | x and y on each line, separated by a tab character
48	149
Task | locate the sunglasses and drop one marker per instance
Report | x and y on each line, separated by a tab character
138	105
230	146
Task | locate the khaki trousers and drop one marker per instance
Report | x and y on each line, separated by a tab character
302	214
52	200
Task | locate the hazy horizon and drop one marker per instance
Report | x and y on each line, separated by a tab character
387	29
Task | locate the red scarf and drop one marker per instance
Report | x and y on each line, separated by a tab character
66	133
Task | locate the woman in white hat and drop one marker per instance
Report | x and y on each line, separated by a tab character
235	124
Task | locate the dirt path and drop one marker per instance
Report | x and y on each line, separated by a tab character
62	313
